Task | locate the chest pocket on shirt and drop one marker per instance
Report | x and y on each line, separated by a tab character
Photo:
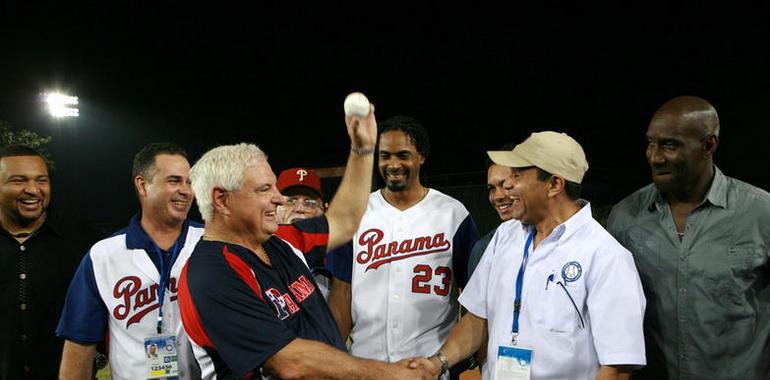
734	269
731	274
561	305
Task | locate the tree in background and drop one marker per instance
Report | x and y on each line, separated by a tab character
12	136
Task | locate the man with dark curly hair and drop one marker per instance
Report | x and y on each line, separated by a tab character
409	256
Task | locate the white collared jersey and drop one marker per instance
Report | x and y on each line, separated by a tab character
127	283
406	268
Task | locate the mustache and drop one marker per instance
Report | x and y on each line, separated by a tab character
396	171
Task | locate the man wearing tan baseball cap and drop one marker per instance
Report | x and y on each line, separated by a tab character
553	152
577	313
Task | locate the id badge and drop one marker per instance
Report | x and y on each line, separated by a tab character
513	363
162	360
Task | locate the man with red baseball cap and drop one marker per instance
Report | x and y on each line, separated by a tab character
304	200
302	189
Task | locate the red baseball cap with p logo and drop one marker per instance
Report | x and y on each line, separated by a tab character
299	177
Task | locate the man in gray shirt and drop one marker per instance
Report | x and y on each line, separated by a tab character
701	242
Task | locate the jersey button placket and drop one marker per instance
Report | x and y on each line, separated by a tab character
399	281
390	333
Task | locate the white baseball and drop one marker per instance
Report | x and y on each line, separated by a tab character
356	104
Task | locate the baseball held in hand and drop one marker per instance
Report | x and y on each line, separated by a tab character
356	104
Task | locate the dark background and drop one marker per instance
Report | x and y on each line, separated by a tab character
477	76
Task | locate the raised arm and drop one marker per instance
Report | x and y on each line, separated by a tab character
348	205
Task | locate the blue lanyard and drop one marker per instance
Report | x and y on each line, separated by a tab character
165	275
519	286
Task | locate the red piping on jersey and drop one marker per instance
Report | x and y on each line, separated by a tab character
190	318
304	241
243	271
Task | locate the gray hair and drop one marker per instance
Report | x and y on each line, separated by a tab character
222	167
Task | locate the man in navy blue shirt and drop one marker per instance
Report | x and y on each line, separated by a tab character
248	300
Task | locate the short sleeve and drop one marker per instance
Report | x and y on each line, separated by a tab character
474	295
339	262
616	305
84	317
464	238
309	236
223	309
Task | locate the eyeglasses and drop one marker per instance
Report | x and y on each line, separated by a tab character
307	202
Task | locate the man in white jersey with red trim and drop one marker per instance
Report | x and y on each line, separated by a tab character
125	289
409	256
555	294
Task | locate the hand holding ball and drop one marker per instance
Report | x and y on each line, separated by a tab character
356	104
362	127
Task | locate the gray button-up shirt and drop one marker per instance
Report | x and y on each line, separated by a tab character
708	295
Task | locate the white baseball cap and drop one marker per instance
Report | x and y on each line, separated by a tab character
556	153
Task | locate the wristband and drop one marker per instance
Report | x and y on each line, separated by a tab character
361	151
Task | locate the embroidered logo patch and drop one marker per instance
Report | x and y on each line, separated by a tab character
571	271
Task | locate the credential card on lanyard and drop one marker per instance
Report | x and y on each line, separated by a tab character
513	363
162	359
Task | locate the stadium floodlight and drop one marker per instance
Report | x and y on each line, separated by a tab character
60	105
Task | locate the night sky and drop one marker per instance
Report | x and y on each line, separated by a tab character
277	75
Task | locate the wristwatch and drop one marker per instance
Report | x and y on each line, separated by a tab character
444	362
